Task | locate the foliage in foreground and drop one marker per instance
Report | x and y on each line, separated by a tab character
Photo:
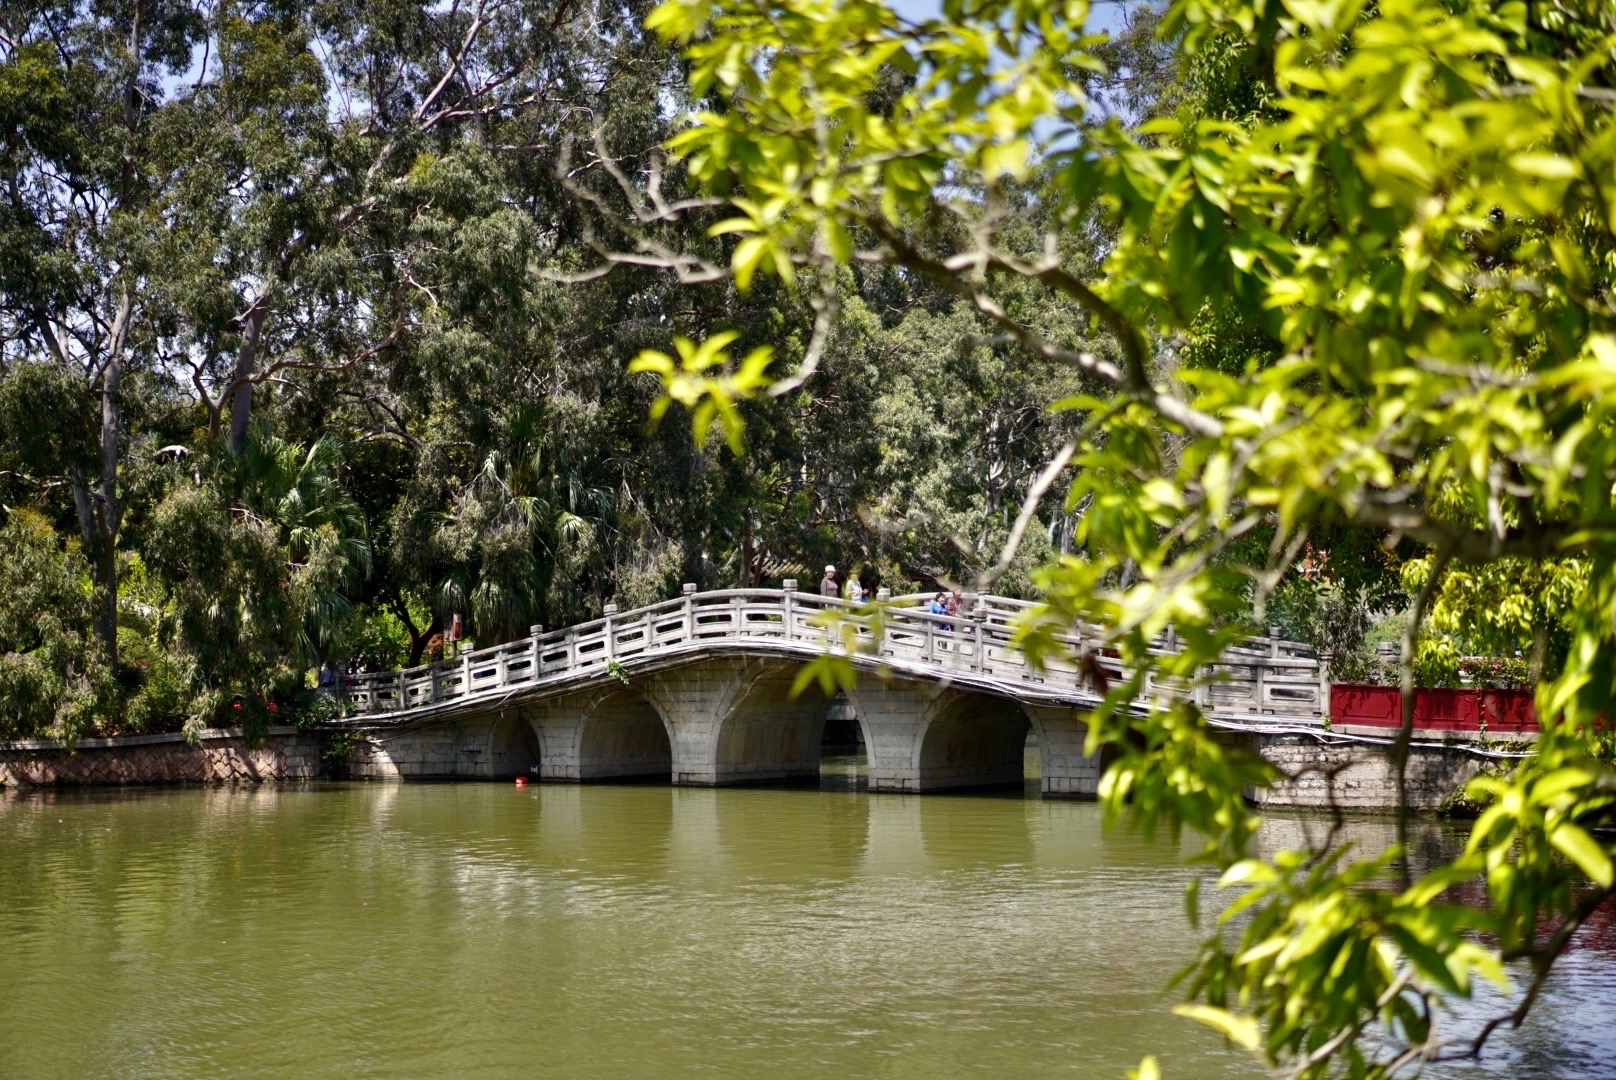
1408	210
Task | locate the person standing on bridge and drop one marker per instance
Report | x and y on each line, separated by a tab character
827	584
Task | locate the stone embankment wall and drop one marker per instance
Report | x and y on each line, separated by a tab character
1362	777
487	747
219	756
1356	777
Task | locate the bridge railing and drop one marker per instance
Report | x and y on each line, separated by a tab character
1262	676
1257	676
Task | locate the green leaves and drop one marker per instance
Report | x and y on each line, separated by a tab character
1581	848
708	396
53	681
1238	1029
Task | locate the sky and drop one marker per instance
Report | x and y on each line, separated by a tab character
1107	14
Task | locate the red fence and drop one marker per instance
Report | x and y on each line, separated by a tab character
1504	711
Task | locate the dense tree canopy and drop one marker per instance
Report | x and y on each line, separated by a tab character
315	329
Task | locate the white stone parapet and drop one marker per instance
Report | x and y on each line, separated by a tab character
1258	679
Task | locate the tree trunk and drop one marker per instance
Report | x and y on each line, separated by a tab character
106	573
108	510
419	642
246	364
83	507
744	577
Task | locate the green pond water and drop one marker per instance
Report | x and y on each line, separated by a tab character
337	930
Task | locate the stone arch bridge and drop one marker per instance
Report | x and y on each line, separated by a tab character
698	690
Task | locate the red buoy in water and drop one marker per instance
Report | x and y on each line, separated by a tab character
521	781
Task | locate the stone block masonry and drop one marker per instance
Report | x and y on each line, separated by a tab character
734	720
485	746
220	755
1362	777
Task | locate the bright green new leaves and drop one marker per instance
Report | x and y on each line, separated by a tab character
844	106
1148	1069
1240	1030
1417	221
848	633
708	396
1531	839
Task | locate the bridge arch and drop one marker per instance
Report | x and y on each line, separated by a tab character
767	734
971	740
623	735
513	747
602	733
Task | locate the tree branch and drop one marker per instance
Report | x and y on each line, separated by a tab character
1029	507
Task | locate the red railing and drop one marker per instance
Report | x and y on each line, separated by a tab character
1501	711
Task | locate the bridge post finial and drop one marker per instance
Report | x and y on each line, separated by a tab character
535	661
789	585
883	593
1325	659
688	588
973	615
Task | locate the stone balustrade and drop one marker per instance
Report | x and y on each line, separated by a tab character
1261	678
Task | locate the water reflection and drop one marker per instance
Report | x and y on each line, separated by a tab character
895	844
610	931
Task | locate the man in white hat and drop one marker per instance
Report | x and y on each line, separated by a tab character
827	585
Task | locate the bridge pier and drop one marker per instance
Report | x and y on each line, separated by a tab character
1065	770
922	736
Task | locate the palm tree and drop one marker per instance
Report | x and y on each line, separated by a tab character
298	491
524	511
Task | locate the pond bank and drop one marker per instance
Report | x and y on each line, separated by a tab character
220	755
